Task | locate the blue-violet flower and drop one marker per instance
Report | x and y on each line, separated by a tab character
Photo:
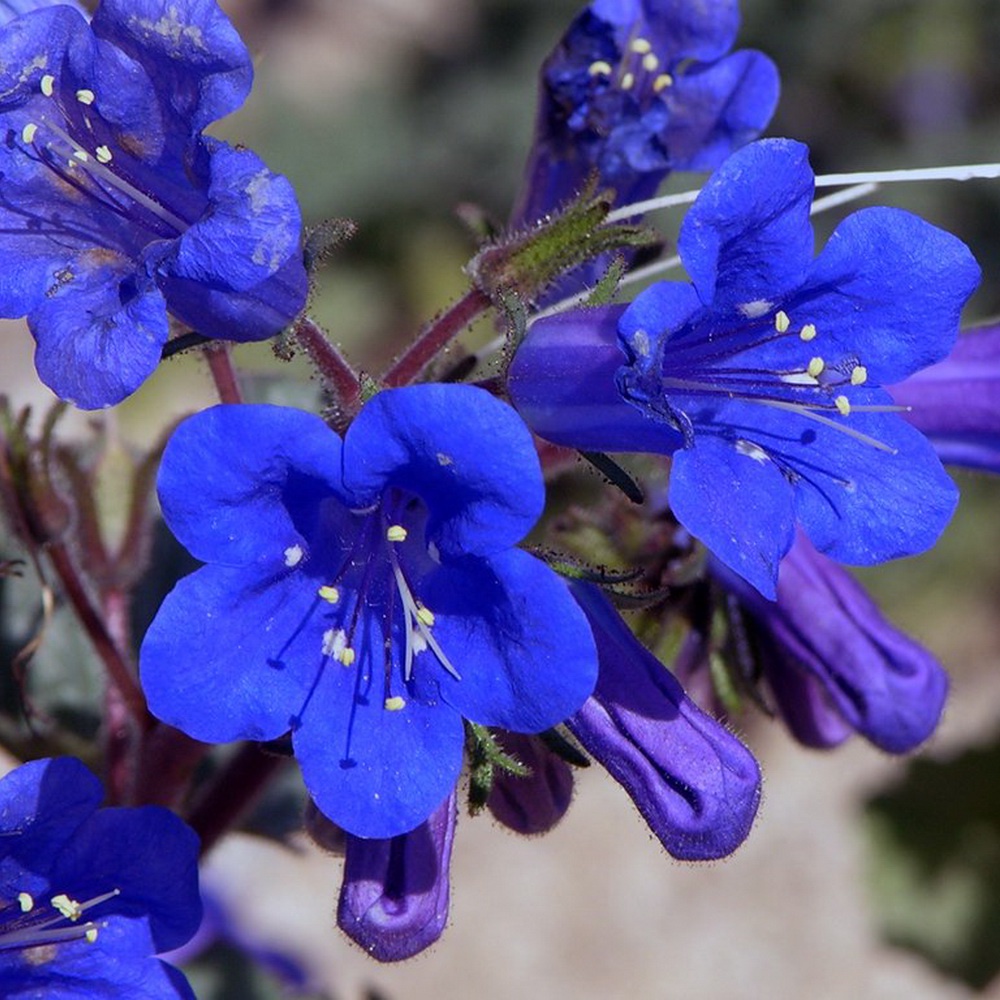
695	784
394	898
956	402
637	88
117	210
364	594
90	896
764	377
833	662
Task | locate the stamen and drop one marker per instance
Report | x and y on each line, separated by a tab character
47	85
600	68
85	96
816	366
69	908
425	615
334	642
90	935
395	703
661	83
627	80
853	432
329	594
843	405
103	154
396	533
650	63
347	656
293	555
781	321
25	901
859	375
641	46
808	332
28	133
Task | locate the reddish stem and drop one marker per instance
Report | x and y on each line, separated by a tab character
220	364
169	758
231	792
339	376
435	336
119	731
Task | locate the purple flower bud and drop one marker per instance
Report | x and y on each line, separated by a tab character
824	634
535	803
695	784
956	402
394	899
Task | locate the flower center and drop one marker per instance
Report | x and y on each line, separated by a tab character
74	143
639	71
27	923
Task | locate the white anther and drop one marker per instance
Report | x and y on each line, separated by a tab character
808	332
781	321
859	375
650	62
752	450
627	80
81	154
663	81
293	554
396	533
334	642
25	901
91	934
843	405
47	85
347	656
85	96
329	594
395	703
425	615
816	366
69	908
103	154
641	46
600	68
28	133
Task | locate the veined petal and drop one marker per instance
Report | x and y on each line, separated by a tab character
889	288
719	107
394	899
203	69
517	638
693	782
428	440
747	238
225	473
100	332
233	656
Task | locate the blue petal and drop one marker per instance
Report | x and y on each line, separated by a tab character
747	238
888	288
738	504
517	638
866	505
394	899
373	771
468	456
226	474
676	28
100	332
695	784
250	229
717	108
203	69
232	656
562	382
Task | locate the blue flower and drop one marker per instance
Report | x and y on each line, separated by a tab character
832	661
763	377
363	594
695	784
637	88
90	895
116	210
395	894
9	9
956	402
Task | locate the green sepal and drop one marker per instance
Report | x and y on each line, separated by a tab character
485	758
324	238
530	261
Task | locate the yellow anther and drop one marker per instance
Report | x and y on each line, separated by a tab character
641	46
85	96
47	84
781	321
816	366
843	405
627	80
600	68
859	375
395	703
81	154
347	656
91	934
25	901
808	332
425	615
103	154
396	533
650	63
28	133
69	908
329	594
663	81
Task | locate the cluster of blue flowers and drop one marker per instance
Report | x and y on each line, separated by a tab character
364	600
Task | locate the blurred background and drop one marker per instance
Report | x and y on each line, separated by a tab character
865	876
